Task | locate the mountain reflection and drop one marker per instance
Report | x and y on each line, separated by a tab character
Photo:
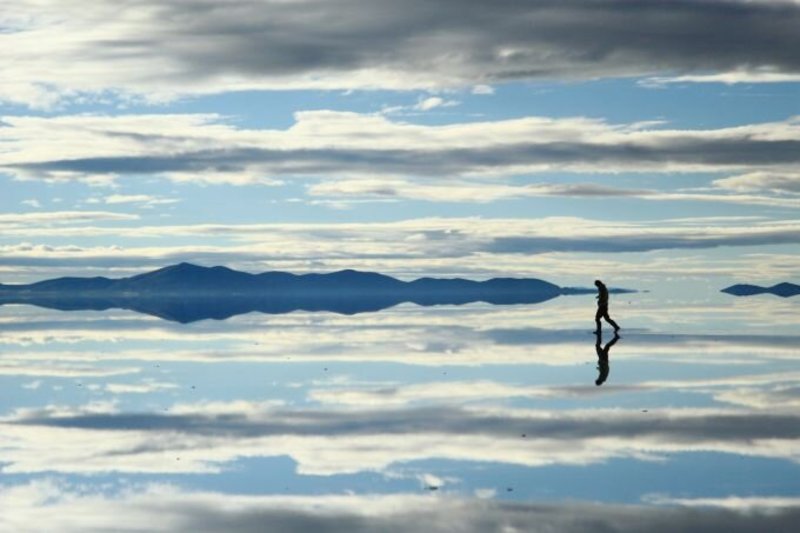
191	308
602	357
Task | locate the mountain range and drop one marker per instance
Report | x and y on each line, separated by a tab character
783	290
186	292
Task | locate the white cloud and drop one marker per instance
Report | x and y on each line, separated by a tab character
557	249
731	77
52	368
452	245
36	204
762	180
158	51
432	102
339	145
483	89
486	191
739	503
145	200
145	387
48	218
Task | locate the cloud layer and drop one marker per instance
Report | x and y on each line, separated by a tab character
343	144
142	47
344	156
467	246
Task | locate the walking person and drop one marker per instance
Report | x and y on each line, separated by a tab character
602	307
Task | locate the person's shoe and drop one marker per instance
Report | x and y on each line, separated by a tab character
617	328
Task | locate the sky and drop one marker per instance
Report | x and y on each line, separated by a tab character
652	144
638	141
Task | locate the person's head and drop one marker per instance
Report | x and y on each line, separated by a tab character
598	382
598	283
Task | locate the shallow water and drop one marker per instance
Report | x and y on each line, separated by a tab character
318	420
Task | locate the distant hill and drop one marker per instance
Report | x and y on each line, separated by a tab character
187	292
783	290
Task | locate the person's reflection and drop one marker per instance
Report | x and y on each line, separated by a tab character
602	357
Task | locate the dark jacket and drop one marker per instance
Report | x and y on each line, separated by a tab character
602	296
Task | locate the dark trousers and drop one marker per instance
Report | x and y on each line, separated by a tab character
602	312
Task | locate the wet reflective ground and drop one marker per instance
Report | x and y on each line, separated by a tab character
476	417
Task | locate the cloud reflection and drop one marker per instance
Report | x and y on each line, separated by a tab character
491	387
54	505
201	437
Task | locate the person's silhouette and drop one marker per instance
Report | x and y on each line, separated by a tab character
602	357
602	307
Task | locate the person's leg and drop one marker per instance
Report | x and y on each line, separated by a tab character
597	317
610	321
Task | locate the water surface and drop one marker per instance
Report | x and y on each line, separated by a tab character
444	409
